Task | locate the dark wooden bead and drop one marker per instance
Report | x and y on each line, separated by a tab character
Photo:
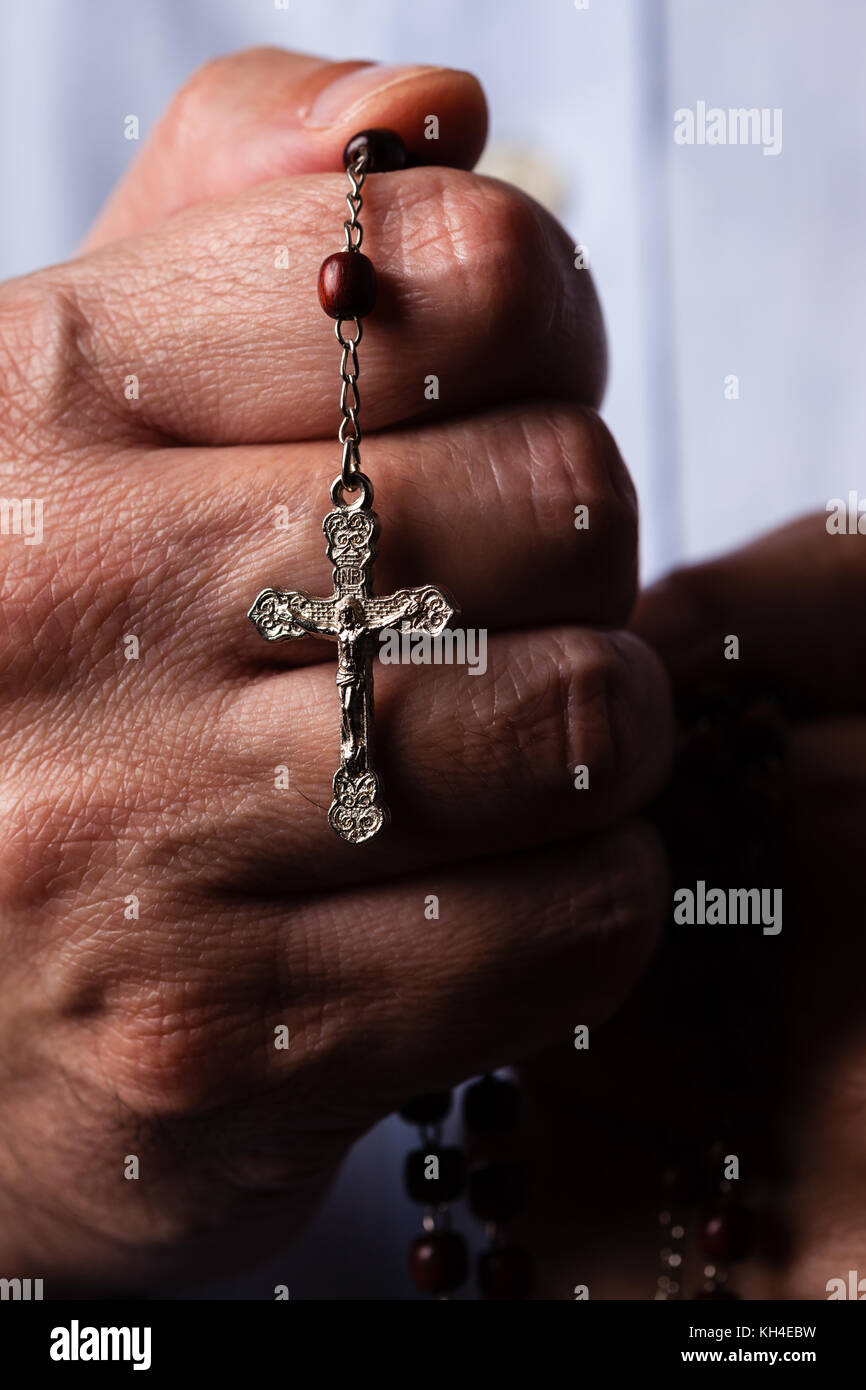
387	151
505	1273
438	1262
727	1233
491	1106
498	1190
433	1191
427	1110
347	285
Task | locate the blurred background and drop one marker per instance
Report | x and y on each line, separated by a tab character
733	281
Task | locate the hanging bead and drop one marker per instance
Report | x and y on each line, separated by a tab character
386	150
505	1273
727	1232
347	285
491	1106
438	1262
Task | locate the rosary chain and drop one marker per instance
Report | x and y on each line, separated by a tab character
349	433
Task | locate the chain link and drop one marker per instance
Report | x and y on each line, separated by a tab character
351	478
356	174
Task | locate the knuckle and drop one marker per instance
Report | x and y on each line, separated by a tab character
60	828
574	460
174	1054
558	704
489	235
192	104
46	355
592	698
507	246
190	112
33	856
616	717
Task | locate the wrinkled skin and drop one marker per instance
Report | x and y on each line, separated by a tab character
165	905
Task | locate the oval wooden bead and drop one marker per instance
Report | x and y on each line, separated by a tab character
386	150
438	1262
347	285
727	1233
491	1106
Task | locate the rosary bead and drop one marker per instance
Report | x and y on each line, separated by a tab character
434	1191
491	1106
505	1273
498	1190
387	151
438	1262
427	1110
726	1233
347	285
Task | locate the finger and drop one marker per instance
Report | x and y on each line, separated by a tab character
380	1002
563	732
509	482
793	599
264	113
479	300
484	506
508	968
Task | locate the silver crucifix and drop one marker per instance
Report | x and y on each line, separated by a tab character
353	617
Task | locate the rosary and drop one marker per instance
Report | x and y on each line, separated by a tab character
352	615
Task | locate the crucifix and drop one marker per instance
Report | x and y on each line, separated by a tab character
353	617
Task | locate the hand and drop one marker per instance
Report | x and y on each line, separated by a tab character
759	1040
165	905
795	600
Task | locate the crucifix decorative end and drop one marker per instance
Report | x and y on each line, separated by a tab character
357	812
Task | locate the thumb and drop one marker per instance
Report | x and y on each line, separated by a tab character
266	113
794	599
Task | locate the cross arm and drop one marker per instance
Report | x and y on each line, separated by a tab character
426	609
283	614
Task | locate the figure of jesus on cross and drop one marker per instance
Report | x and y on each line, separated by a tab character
353	617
